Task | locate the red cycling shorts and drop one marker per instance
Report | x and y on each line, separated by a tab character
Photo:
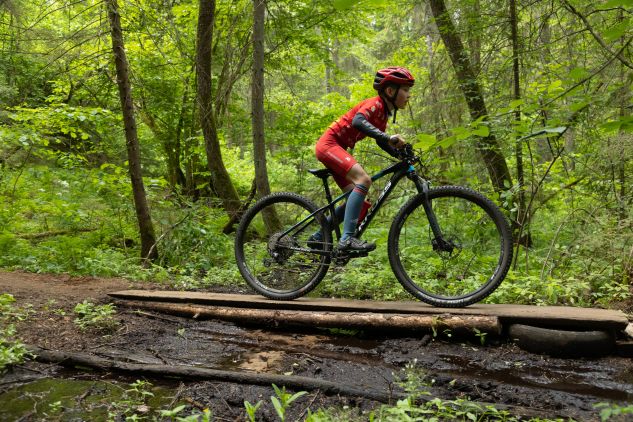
334	157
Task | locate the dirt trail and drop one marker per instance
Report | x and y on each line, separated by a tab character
496	373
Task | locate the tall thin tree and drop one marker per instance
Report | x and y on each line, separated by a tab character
488	146
516	94
220	180
146	228
257	107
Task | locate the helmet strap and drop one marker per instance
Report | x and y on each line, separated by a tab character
393	102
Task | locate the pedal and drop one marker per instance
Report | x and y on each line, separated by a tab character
357	254
342	257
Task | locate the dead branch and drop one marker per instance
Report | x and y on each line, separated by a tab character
43	235
82	360
79	360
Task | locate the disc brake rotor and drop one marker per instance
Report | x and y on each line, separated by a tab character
449	248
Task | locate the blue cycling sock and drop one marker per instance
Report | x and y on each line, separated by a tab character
340	214
352	211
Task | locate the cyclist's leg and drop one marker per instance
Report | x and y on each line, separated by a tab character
339	161
361	180
315	241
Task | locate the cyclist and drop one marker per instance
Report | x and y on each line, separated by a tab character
367	118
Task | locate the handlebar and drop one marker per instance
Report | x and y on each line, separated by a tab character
406	153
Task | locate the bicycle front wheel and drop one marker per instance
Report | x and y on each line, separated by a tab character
470	264
273	248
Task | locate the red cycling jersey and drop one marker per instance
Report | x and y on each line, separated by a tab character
346	135
331	147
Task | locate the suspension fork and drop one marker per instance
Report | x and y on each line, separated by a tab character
422	185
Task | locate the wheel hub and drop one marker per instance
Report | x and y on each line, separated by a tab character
279	247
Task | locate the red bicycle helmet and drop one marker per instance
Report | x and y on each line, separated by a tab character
393	75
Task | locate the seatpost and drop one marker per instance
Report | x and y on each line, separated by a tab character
326	185
328	197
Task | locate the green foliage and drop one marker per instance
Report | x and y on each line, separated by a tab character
283	400
611	410
63	175
136	405
12	350
251	409
93	317
418	405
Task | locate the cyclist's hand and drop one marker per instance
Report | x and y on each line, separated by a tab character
405	152
397	141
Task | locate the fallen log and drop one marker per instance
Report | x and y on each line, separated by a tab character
75	359
274	317
82	360
43	235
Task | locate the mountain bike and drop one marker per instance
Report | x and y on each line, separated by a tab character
448	246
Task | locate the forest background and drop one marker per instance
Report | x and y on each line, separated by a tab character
526	101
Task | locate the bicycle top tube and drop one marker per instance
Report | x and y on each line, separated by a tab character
391	169
382	173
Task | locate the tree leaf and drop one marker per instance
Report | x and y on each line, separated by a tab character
616	31
617	3
516	103
482	131
344	4
446	142
578	73
555	86
425	141
558	129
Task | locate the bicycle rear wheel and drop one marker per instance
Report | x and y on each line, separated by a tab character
271	246
475	260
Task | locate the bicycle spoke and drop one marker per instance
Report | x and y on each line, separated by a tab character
466	263
272	243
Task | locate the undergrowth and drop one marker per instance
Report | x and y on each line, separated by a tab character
78	220
12	350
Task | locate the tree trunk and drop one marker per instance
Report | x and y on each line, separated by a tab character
259	142
487	146
431	37
220	180
516	95
625	101
474	37
146	228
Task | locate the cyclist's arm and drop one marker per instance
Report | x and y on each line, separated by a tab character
361	123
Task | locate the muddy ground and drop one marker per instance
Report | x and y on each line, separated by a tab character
497	372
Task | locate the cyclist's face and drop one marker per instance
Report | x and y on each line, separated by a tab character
403	96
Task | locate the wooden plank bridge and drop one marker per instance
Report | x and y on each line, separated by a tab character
369	313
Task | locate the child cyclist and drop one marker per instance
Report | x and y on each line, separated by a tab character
367	118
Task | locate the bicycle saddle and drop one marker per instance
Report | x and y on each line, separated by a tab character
320	173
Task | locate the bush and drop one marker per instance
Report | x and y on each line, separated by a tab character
98	318
12	350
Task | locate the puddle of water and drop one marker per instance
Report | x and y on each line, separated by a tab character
64	399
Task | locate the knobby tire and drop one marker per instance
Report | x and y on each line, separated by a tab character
277	265
468	273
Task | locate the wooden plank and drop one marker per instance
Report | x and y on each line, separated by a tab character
547	316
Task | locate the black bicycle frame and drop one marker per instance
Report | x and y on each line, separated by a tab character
399	170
